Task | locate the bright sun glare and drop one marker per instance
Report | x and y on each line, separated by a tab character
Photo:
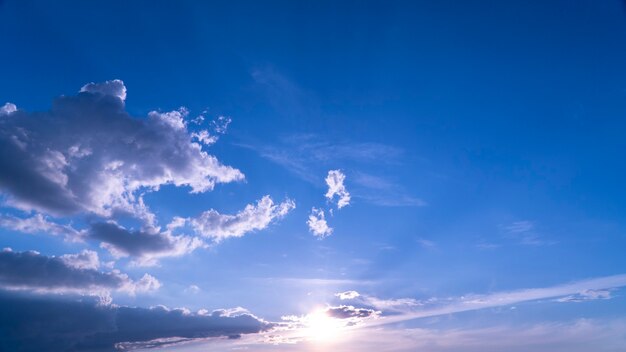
322	328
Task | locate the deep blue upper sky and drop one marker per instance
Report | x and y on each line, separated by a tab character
482	143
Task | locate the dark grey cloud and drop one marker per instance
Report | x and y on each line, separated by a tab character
68	273
144	246
87	154
43	323
347	312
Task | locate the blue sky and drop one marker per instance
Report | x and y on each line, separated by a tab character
301	176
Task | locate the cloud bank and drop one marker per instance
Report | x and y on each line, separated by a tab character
38	323
75	273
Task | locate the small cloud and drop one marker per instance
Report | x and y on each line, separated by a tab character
115	88
346	312
317	223
335	181
7	109
347	295
192	289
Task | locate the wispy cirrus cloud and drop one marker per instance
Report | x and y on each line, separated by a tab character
409	309
39	223
525	232
577	335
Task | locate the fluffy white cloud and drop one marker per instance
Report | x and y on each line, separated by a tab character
7	109
218	226
115	88
317	223
74	273
335	180
87	154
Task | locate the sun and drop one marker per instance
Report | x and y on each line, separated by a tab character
322	328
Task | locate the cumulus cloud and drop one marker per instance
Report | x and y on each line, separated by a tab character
87	154
7	109
38	323
77	273
317	223
335	180
39	224
84	260
218	226
115	88
145	247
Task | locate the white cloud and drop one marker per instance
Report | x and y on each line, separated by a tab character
115	88
218	226
91	156
317	223
335	180
8	109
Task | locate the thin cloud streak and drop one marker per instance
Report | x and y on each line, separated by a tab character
476	302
